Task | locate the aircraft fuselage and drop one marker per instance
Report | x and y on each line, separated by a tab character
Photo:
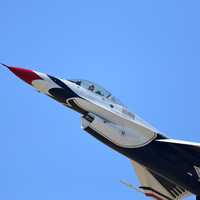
109	121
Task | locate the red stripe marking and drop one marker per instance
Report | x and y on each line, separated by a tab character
25	74
153	195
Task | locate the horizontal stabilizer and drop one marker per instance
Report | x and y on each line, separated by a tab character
157	187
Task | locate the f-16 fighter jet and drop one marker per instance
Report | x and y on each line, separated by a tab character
168	169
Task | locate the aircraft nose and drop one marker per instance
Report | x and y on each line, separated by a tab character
25	74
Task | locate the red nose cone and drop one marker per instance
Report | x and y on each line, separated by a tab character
27	75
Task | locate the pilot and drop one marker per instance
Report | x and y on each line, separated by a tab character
99	93
91	88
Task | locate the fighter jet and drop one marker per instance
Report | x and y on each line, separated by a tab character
168	169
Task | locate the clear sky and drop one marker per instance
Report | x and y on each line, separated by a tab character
145	52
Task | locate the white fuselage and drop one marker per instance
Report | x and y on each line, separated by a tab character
120	128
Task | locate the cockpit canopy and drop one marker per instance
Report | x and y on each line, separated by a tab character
98	90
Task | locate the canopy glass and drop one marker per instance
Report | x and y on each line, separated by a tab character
98	90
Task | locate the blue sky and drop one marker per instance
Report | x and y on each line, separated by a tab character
145	52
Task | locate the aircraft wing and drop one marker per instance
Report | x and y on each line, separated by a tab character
180	142
190	149
157	187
